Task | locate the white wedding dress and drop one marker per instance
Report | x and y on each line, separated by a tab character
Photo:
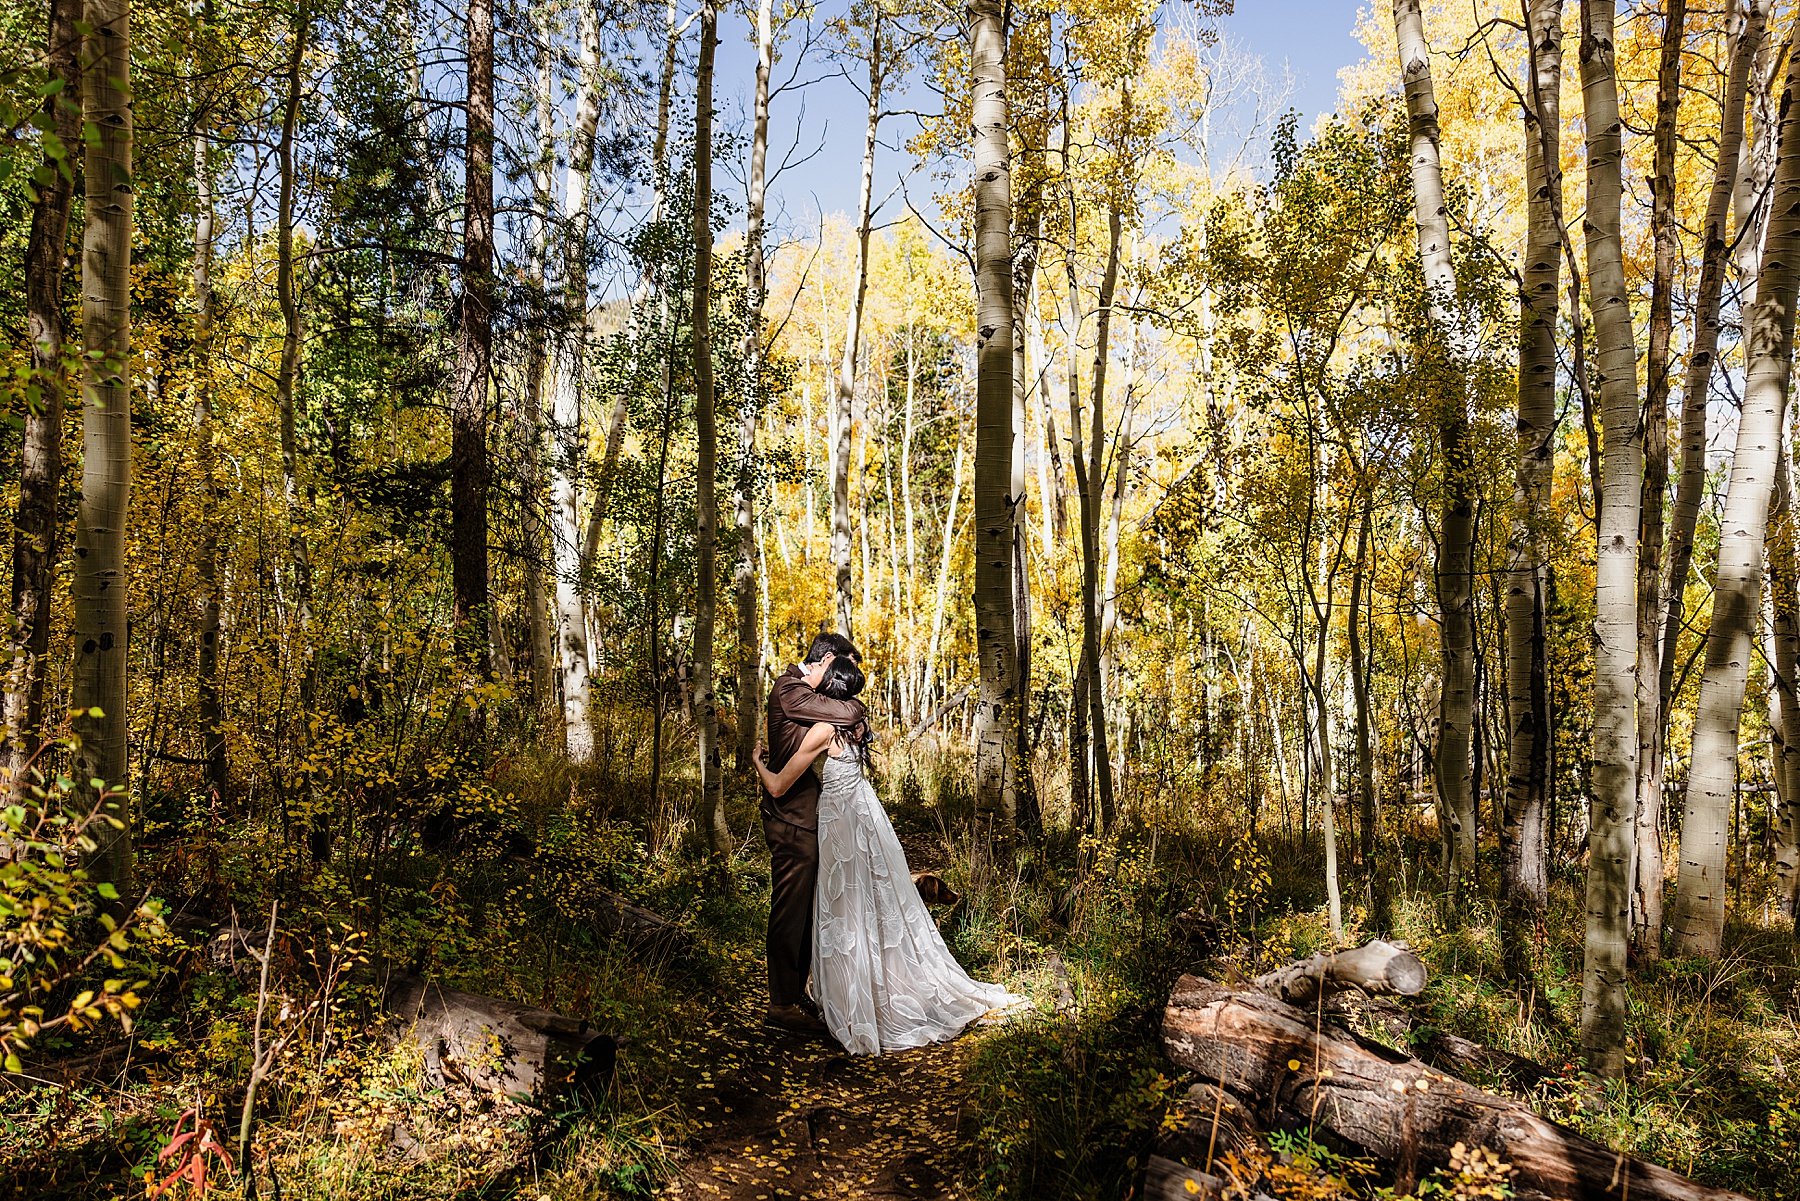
881	974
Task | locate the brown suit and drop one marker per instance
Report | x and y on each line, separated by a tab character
791	824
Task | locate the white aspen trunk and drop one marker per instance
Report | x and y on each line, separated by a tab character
706	507
615	423
906	445
1697	925
532	526
806	467
1455	566
98	688
996	717
1647	857
940	595
1784	702
1090	481
1612	811
843	414
1052	484
1525	885
568	363
756	284
1734	183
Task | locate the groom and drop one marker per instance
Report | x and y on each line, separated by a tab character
791	824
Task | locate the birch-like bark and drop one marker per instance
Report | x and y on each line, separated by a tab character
533	529
996	721
1784	708
941	593
1524	865
1024	300
35	523
1612	810
614	440
756	284
1697	925
844	399
1090	481
1375	883
1647	861
706	506
1728	186
469	466
1456	549
1053	485
568	364
98	692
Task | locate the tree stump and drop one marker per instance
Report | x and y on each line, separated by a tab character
490	1046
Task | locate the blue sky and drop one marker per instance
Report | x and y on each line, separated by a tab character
1312	39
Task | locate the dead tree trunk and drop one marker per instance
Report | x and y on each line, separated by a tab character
1287	1069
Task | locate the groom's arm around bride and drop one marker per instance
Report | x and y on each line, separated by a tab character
791	822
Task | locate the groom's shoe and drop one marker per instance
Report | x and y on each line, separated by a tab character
794	1019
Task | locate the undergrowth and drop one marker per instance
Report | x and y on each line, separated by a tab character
1067	1102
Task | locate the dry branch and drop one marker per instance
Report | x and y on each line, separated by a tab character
1376	968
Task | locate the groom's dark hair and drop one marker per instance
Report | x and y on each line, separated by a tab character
828	643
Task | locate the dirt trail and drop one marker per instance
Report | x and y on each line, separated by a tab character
782	1116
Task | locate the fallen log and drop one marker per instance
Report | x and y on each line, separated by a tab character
1167	1180
635	924
1452	1053
1205	1125
490	1046
1292	1070
1377	968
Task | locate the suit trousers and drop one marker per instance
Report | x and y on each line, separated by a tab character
793	876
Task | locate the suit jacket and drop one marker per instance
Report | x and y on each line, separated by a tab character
794	708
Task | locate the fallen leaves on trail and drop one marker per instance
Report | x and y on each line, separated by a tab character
777	1116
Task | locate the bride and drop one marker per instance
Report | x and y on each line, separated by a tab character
881	974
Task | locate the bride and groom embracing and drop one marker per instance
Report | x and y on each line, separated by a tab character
842	906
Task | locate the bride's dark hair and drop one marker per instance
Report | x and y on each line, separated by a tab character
842	680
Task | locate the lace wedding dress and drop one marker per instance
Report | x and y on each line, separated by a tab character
881	974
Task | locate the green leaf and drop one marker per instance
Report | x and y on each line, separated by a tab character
107	891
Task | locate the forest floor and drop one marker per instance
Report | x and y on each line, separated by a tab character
782	1115
707	1103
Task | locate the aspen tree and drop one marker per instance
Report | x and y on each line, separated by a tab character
568	361
706	508
756	283
1524	869
1614	801
1647	860
844	398
532	527
98	693
996	718
1697	925
1456	551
